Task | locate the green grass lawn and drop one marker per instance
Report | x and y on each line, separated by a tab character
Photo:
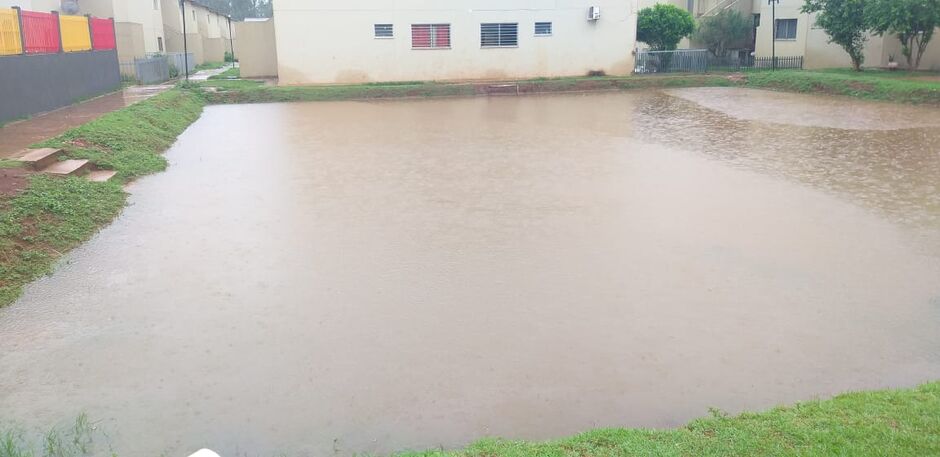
889	423
210	65
877	85
896	423
898	87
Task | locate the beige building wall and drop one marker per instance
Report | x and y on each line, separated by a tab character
813	44
257	49
130	45
44	6
320	41
173	29
145	13
210	48
930	61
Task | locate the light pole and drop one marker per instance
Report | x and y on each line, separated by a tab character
773	32
231	40
185	44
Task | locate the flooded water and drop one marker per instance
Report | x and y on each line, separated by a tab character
338	278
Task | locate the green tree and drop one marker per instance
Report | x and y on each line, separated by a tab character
240	9
912	21
662	27
845	22
718	32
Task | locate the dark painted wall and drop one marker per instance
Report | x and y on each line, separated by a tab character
34	84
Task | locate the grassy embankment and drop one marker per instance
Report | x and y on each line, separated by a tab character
893	423
901	87
879	85
246	91
52	215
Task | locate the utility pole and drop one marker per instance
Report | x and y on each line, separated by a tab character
773	32
185	44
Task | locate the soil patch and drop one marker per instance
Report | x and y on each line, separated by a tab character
12	181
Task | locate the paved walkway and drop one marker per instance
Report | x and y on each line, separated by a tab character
204	75
16	136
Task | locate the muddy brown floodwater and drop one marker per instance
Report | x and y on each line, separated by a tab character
338	278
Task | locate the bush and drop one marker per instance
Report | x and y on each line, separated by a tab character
662	27
229	57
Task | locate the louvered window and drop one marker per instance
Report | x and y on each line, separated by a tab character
499	35
430	36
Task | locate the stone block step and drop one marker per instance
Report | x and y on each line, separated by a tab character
40	158
101	175
72	167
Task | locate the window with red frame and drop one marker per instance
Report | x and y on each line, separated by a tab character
430	36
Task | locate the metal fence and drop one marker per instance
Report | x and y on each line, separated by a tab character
76	33
152	70
702	61
750	63
10	42
32	32
680	61
156	68
178	61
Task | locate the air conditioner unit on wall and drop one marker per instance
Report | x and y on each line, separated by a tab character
594	13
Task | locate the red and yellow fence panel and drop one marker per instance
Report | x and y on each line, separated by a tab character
102	31
10	43
76	36
41	31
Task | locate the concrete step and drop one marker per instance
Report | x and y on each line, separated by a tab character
72	167
40	158
101	175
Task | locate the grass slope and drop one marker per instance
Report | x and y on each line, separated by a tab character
244	91
53	215
870	85
899	87
895	423
890	423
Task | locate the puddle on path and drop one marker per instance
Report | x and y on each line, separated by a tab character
370	277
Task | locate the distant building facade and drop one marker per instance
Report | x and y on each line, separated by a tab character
795	34
207	31
321	41
146	27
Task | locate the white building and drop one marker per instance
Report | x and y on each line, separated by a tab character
793	33
354	41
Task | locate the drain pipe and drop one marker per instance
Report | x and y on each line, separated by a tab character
204	453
